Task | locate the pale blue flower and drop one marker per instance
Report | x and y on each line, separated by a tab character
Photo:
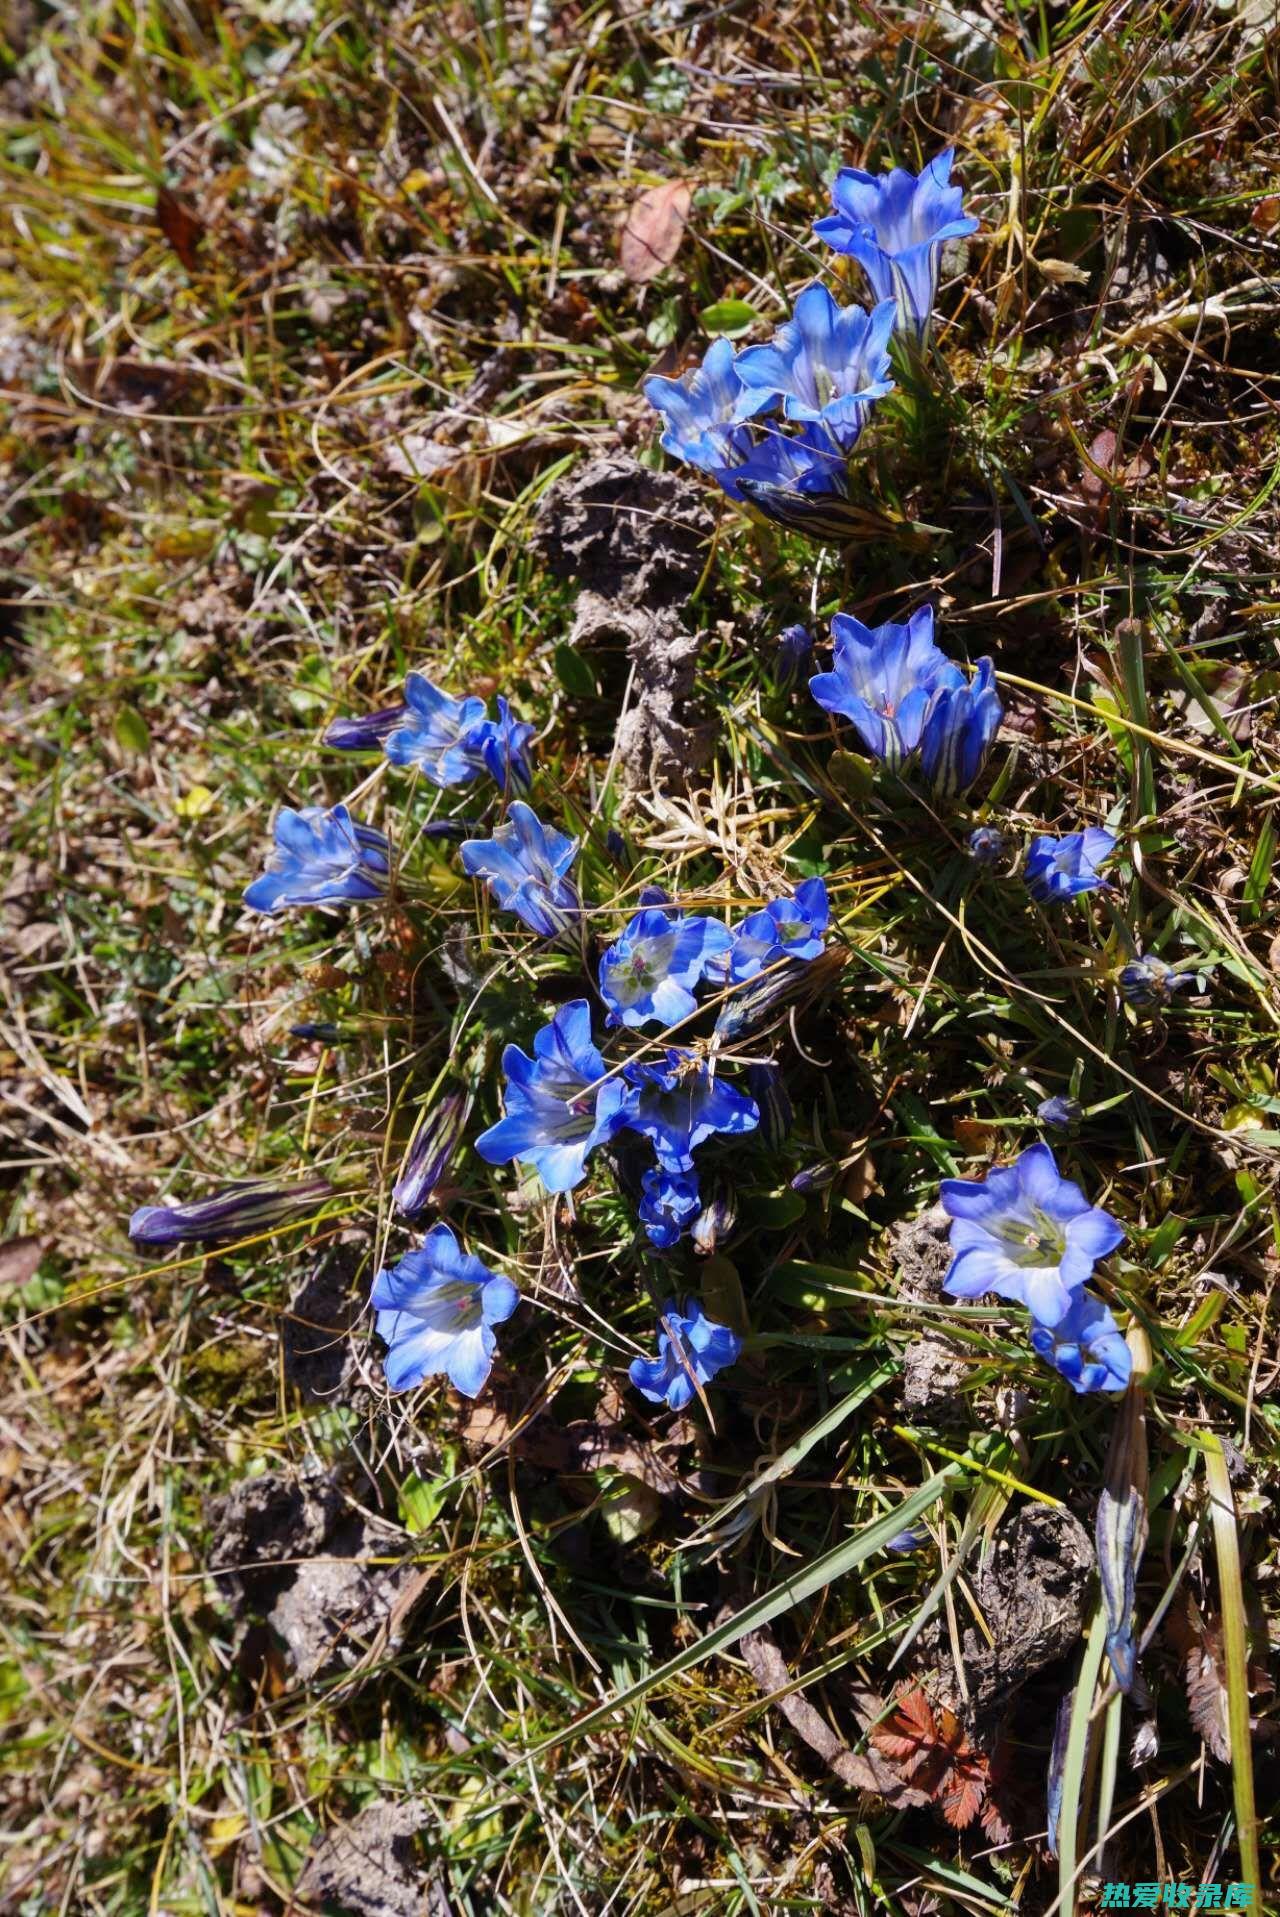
436	1312
648	976
524	865
1086	1346
895	226
321	858
435	735
504	746
559	1104
791	928
986	844
689	1347
1025	1233
1059	1112
1148	981
1062	868
828	365
699	413
799	480
883	680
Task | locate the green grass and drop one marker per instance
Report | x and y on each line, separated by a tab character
207	551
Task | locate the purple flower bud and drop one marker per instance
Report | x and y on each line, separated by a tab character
815	1177
239	1212
1149	981
1062	1113
909	1540
795	644
716	1220
762	1000
764	1082
365	734
654	895
322	1029
430	1155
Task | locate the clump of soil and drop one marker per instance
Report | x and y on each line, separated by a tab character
367	1867
625	532
661	741
295	1554
933	1369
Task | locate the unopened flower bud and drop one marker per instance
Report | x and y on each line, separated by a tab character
239	1212
430	1155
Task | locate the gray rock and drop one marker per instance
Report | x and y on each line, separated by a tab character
933	1369
625	532
367	1867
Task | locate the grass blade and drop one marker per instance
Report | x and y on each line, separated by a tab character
1235	1653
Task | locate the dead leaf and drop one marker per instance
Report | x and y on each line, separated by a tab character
416	456
19	1258
973	1137
183	229
654	229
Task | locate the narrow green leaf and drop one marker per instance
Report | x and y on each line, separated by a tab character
1077	1757
782	1597
1235	1652
573	672
729	318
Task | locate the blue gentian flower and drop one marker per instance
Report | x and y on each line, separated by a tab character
364	733
321	858
1149	981
238	1212
700	413
524	865
795	644
678	1104
689	1347
986	844
670	1204
883	679
559	1103
430	1154
1062	1113
1086	1346
648	976
959	727
1026	1233
785	928
436	1312
504	747
1062	868
798	480
828	365
896	226
436	735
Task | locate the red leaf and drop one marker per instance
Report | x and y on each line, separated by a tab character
963	1793
910	1731
654	229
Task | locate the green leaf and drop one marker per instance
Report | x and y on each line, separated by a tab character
573	672
1260	864
131	730
729	318
793	1589
722	1298
1235	1652
421	1501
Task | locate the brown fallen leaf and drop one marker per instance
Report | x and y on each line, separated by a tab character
183	229
19	1258
653	231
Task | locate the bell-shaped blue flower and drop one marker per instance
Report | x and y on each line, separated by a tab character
1086	1346
364	733
791	928
895	226
669	1206
1062	868
690	1347
648	976
559	1103
435	735
524	865
883	679
436	1312
503	744
678	1104
1025	1232
959	727
321	858
700	414
828	365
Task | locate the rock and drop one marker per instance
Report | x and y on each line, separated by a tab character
932	1370
330	1609
625	532
367	1867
